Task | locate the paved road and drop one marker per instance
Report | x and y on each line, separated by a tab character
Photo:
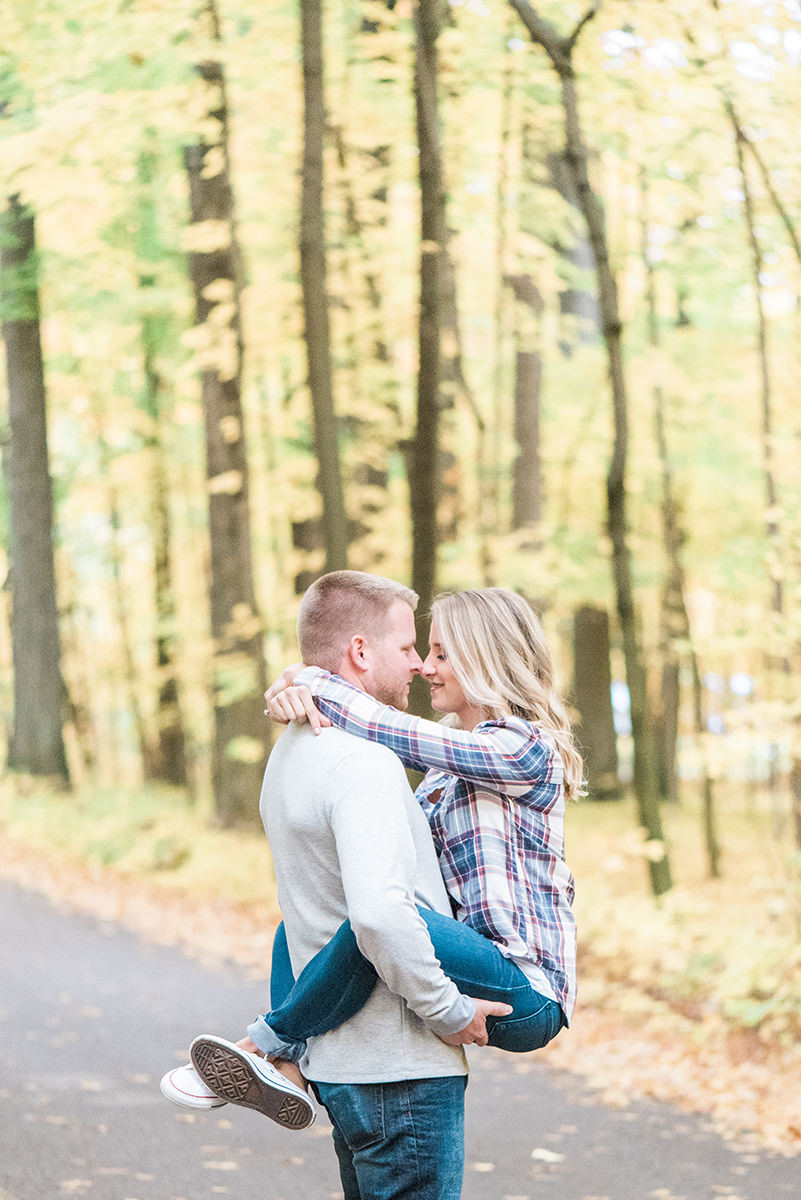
90	1017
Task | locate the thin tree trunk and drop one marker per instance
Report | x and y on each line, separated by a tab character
130	674
167	757
80	672
579	308
527	485
423	466
676	617
674	623
592	696
500	386
313	274
765	392
646	788
239	669
775	571
453	385
39	692
377	435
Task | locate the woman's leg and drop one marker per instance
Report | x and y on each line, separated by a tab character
282	980
331	988
337	982
479	969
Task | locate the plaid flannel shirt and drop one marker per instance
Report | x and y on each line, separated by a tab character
494	799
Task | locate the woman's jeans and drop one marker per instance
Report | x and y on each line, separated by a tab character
337	982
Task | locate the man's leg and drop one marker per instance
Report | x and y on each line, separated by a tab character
399	1141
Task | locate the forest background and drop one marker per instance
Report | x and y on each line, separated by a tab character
465	294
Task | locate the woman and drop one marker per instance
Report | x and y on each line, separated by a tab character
499	769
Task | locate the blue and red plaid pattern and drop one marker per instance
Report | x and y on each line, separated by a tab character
495	802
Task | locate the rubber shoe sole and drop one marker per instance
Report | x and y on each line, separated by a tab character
241	1078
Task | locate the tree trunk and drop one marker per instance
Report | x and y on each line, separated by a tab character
166	759
500	383
377	435
313	275
39	693
646	787
778	656
527	486
766	397
424	450
581	317
453	386
120	598
676	627
592	696
239	672
674	619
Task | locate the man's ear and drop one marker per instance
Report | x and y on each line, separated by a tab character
355	654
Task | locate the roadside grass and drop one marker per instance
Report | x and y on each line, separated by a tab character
147	833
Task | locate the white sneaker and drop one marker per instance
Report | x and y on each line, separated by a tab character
246	1079
184	1086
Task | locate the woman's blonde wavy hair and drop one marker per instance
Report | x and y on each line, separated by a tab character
499	654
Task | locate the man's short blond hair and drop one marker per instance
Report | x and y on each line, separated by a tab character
342	605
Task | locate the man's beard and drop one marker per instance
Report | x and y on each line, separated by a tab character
392	691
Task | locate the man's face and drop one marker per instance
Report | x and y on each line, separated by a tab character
393	658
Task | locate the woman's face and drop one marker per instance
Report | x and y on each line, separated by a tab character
447	694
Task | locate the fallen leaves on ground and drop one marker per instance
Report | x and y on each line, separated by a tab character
629	1045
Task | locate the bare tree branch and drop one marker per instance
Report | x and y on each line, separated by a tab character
591	12
743	137
544	34
557	47
768	182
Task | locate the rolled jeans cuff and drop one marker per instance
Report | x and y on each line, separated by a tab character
272	1045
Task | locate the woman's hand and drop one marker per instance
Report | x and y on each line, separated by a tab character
286	703
284	680
295	704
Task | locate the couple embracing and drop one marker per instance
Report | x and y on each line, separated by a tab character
413	924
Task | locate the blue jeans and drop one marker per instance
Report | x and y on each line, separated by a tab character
394	1141
336	983
398	1141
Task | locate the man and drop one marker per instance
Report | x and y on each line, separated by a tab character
350	842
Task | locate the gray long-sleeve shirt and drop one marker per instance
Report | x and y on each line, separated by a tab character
349	840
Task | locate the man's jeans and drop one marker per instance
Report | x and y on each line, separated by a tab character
394	1141
398	1141
337	982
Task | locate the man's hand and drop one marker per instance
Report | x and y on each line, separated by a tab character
476	1032
286	703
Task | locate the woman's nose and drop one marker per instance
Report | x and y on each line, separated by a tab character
429	667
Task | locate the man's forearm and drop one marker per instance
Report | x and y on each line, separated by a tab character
396	941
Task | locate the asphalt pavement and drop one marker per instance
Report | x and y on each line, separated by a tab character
91	1016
